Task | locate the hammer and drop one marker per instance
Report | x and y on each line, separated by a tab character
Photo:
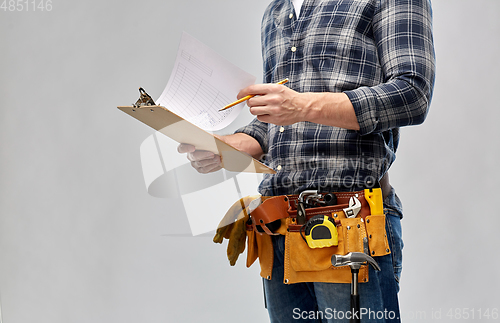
354	260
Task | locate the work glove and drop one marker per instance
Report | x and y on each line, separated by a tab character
234	228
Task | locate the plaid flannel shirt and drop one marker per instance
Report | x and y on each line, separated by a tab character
378	52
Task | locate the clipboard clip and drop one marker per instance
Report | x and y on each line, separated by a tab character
144	100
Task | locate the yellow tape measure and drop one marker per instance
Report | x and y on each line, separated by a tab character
320	232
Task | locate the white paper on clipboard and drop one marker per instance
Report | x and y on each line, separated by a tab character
203	82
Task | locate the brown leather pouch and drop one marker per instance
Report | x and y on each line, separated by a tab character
267	217
303	264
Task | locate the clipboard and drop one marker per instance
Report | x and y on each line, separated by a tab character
182	131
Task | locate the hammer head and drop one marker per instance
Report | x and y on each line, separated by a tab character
354	260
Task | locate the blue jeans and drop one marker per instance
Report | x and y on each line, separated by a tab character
327	302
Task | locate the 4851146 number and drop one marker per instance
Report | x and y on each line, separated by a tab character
26	5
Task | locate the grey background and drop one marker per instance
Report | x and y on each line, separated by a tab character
82	241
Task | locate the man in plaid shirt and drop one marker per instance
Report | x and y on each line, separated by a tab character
358	70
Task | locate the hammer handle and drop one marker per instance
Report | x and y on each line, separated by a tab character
355	309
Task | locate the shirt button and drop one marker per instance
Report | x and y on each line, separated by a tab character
294	49
282	129
279	167
290	16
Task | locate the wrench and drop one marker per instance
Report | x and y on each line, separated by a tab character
354	208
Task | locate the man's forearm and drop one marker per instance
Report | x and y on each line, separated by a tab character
280	105
245	143
331	109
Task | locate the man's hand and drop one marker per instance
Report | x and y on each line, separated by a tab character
279	105
206	162
275	103
201	160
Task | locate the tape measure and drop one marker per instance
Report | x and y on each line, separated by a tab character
320	232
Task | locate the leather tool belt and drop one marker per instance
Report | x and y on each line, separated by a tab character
273	209
279	215
266	217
